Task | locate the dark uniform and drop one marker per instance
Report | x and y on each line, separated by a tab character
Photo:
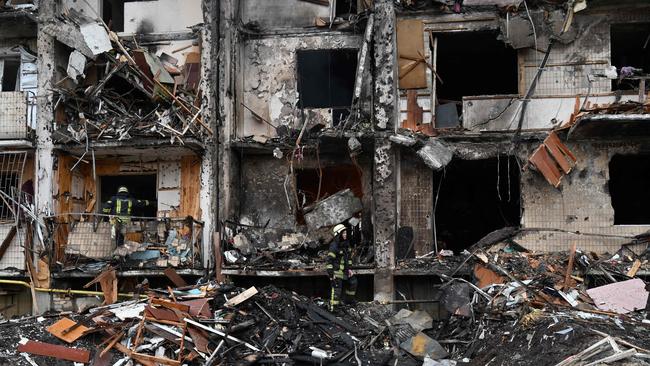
121	206
338	266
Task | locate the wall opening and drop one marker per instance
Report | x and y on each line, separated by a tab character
10	74
476	197
334	179
142	187
473	64
326	78
629	179
113	13
630	46
346	8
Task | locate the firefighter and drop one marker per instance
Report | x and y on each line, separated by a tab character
120	207
344	284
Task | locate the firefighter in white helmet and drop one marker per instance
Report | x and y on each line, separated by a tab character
344	284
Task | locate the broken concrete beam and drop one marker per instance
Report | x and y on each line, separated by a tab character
89	37
435	154
403	140
333	209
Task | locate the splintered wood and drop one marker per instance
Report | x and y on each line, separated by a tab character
242	297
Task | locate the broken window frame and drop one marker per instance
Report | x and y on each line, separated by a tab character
433	28
3	62
615	85
333	108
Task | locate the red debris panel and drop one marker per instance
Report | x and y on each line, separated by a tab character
52	350
553	159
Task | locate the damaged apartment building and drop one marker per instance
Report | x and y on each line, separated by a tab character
425	126
97	95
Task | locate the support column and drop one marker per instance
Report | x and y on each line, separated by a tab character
385	167
209	85
45	114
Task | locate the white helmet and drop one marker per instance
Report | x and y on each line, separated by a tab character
338	228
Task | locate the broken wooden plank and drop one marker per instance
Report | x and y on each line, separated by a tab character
242	297
569	269
53	350
635	268
67	330
108	283
199	307
7	241
170	305
176	279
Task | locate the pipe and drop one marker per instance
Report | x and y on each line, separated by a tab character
62	291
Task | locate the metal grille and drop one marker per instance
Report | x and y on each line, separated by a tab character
416	202
85	241
12	165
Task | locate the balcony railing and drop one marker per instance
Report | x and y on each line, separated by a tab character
85	242
14	110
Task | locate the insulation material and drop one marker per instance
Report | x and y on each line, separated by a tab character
410	48
169	200
169	175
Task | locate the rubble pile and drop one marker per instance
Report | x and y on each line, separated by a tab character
149	244
557	308
124	91
200	325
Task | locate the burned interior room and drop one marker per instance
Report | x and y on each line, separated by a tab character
629	175
324	182
473	64
474	198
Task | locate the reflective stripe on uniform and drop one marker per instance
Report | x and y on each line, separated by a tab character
118	206
128	212
331	254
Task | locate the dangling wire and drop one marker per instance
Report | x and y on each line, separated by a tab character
499	175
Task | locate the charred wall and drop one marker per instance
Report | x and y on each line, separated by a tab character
266	196
269	81
582	204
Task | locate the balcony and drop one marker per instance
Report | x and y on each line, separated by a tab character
83	243
15	111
